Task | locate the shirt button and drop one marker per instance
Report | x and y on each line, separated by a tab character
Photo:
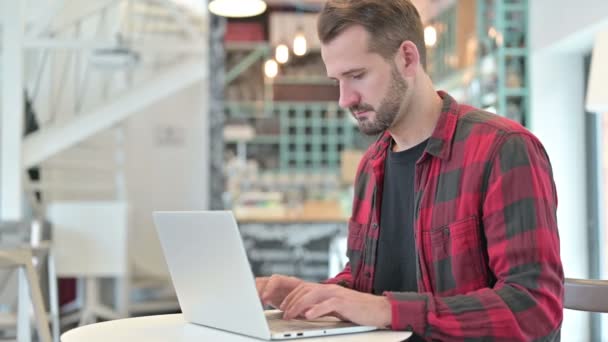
368	274
374	226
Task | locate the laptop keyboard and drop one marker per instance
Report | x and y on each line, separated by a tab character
277	323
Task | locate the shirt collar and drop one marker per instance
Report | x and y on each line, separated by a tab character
440	142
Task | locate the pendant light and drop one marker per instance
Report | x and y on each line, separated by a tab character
430	36
300	45
282	53
271	68
237	8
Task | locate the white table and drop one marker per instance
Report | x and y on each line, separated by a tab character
175	328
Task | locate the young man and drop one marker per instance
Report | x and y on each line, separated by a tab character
453	232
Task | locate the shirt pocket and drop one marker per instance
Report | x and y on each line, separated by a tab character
355	246
457	257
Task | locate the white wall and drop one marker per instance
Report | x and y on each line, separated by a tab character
557	119
165	173
561	33
559	23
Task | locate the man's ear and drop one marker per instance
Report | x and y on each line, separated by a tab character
408	58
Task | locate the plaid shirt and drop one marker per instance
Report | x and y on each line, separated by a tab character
486	234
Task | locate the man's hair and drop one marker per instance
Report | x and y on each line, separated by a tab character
388	22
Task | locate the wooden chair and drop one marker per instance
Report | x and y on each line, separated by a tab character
29	293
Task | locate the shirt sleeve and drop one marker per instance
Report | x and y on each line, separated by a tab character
519	221
344	278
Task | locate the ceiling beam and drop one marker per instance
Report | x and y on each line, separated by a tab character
84	12
182	20
150	45
55	138
40	25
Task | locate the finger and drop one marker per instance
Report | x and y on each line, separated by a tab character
297	295
329	307
274	285
260	285
277	287
288	299
306	300
338	316
293	296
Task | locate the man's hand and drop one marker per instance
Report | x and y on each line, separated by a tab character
273	290
312	301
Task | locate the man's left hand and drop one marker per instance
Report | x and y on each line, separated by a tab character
312	301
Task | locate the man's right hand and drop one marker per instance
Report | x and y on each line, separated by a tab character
273	290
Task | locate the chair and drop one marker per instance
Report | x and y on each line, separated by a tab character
91	242
26	246
21	258
586	295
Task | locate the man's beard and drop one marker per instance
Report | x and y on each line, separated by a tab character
388	109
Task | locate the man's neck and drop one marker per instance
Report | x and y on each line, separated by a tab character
421	117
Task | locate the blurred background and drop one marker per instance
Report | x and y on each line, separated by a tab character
111	109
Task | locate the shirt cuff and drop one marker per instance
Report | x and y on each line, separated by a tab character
409	311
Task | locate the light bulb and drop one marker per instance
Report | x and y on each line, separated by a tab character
430	36
281	53
237	8
271	68
299	44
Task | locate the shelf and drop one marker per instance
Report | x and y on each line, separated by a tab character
244	46
259	139
515	7
278	104
521	52
252	45
486	82
516	92
310	135
308	80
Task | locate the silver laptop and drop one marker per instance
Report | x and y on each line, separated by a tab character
214	283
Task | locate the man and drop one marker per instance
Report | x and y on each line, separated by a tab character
453	232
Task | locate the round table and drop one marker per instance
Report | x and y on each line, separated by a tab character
163	328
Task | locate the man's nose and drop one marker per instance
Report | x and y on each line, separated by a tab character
348	97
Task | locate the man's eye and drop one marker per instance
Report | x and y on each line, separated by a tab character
358	76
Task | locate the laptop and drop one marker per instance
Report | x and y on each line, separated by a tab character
215	285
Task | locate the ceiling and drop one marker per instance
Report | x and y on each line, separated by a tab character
427	8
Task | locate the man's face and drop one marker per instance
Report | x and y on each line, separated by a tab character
370	87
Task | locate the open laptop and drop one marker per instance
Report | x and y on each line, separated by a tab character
214	283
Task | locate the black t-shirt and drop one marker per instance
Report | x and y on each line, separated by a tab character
396	260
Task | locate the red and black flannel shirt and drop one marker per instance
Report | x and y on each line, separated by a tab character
486	234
